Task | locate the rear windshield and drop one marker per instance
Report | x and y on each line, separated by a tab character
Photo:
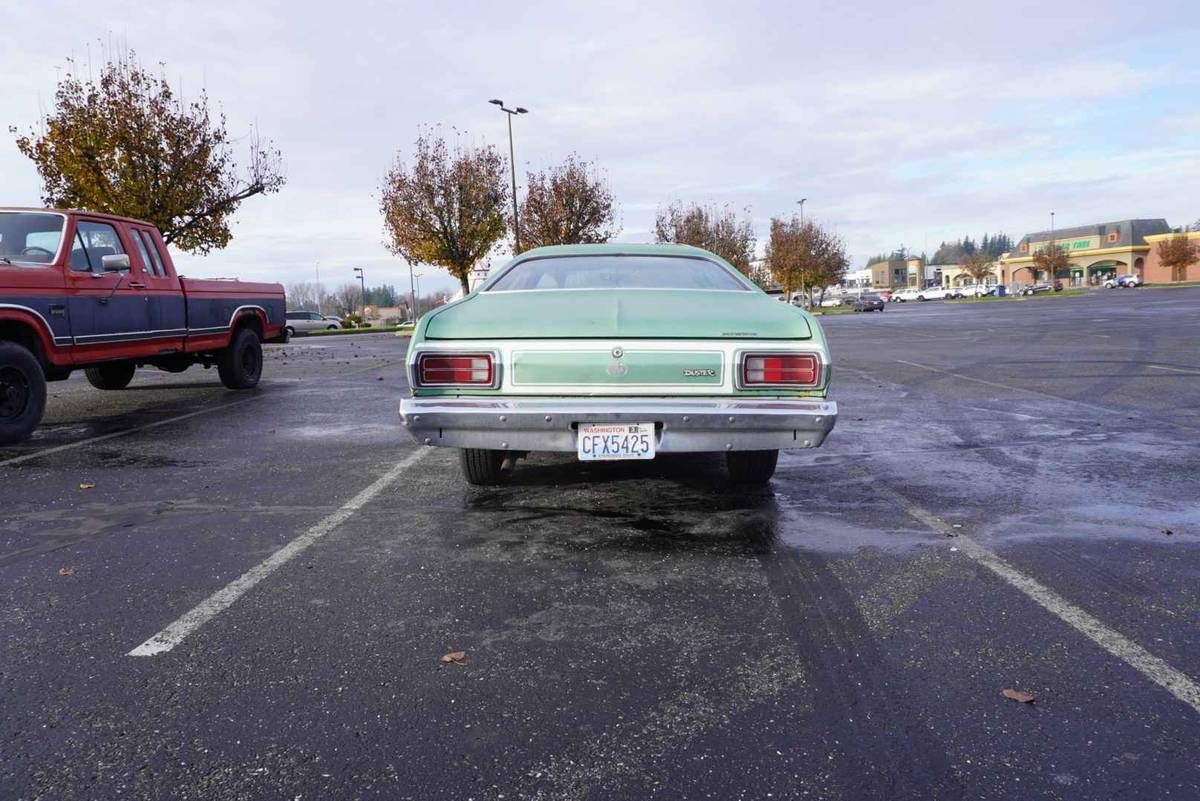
29	238
617	272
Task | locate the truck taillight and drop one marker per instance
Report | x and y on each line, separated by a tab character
444	370
781	369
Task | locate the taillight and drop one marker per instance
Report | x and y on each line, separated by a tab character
443	370
781	369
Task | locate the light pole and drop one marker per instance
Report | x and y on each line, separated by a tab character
362	282
512	162
412	287
800	203
317	267
1053	245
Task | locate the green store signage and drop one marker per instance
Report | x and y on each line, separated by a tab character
1070	244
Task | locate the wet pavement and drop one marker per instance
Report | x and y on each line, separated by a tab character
1009	501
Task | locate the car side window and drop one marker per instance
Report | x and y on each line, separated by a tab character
97	240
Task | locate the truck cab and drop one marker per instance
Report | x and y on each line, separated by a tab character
81	290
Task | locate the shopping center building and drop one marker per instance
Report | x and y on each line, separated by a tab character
1097	252
1159	273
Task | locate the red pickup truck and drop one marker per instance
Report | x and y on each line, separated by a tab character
98	292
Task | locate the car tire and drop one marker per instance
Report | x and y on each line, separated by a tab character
22	392
331	328
288	333
111	376
921	298
751	467
240	365
481	466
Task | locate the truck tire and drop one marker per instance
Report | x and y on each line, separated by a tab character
751	467
240	365
111	376
481	466
22	392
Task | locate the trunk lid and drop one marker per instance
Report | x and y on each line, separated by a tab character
619	314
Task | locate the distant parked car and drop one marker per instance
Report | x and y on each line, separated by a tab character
1037	289
1126	281
334	319
865	303
299	322
905	295
931	293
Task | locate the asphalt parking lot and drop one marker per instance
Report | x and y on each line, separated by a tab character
213	595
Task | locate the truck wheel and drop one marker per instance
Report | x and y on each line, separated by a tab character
751	467
111	376
240	365
22	392
481	466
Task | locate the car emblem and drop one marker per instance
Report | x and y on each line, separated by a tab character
689	373
617	353
616	369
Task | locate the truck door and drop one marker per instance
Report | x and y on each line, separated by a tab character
110	317
168	317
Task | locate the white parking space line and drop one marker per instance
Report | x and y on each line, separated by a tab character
224	598
1152	667
122	433
1173	369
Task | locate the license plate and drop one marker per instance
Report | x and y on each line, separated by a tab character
604	441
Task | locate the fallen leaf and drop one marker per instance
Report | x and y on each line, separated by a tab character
66	571
455	657
86	486
1019	697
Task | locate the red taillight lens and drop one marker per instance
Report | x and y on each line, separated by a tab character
435	369
781	369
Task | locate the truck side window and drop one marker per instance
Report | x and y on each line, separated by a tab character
147	265
159	269
98	240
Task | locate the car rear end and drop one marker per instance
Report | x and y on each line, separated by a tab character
620	372
695	396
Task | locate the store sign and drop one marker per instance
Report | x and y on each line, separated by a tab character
1088	243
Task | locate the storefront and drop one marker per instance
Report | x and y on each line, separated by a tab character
1095	252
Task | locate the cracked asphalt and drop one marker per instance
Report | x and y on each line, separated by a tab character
632	630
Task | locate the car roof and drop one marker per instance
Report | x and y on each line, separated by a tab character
617	249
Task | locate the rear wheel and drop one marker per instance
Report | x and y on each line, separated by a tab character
22	392
111	376
481	466
240	365
751	467
288	333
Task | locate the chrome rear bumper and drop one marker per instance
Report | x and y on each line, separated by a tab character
682	425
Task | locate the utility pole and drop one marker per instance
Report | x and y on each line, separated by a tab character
800	202
512	162
1053	245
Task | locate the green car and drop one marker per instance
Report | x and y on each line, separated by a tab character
618	352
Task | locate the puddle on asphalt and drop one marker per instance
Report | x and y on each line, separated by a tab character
1102	521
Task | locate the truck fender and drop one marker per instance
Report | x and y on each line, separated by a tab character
27	327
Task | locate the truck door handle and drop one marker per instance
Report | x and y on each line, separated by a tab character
133	285
58	310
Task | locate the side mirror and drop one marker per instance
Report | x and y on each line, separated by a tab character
115	262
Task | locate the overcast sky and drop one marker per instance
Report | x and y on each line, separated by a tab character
901	123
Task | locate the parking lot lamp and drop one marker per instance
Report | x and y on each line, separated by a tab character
800	203
362	282
512	162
